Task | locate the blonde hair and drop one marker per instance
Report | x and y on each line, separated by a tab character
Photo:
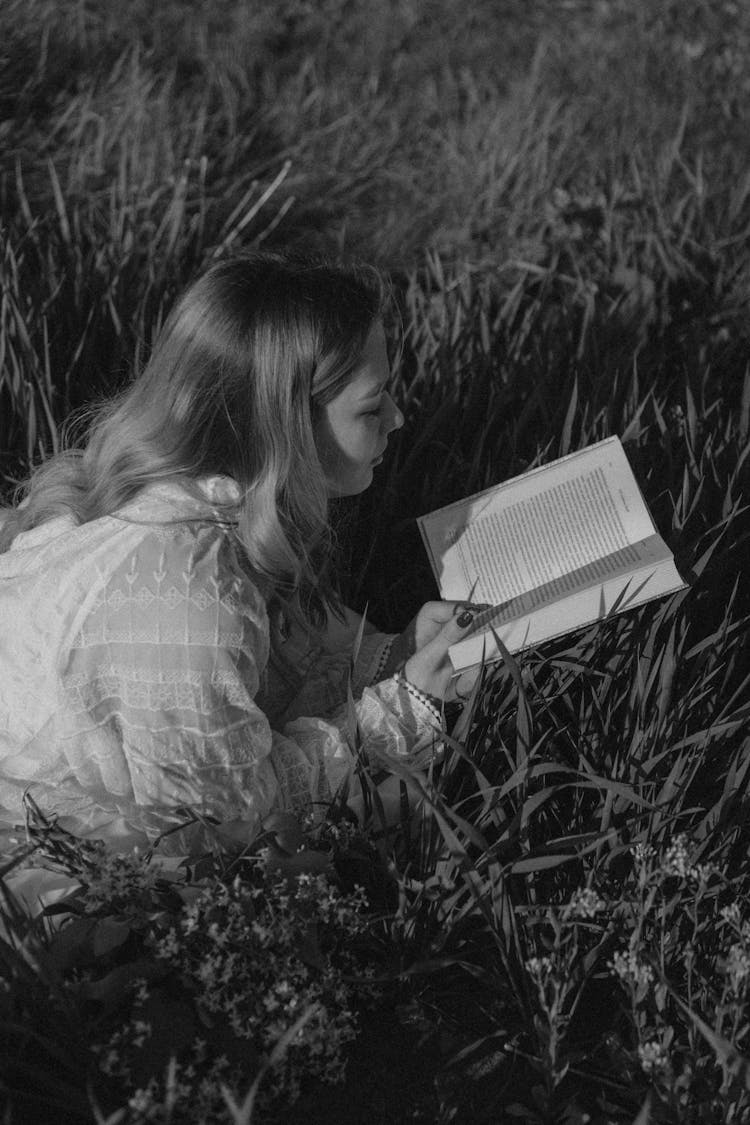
248	355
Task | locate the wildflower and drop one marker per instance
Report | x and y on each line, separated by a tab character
585	903
676	858
737	966
539	968
653	1057
701	872
114	879
643	854
168	946
630	970
676	419
145	1102
731	914
141	1031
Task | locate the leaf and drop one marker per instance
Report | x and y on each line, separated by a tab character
523	712
726	1053
307	948
569	418
110	934
744	420
242	1113
116	988
541	862
692	417
72	905
286	830
306	862
70	945
644	1113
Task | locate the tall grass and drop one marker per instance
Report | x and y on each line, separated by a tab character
566	221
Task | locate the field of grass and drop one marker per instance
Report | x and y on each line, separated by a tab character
560	193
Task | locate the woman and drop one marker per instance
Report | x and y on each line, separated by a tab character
171	636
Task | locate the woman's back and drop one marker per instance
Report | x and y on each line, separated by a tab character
137	626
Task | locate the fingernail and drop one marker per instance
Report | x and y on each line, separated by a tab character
464	619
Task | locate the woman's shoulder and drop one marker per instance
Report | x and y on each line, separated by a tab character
170	544
172	503
185	548
170	512
176	577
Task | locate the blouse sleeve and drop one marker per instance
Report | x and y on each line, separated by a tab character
161	680
324	669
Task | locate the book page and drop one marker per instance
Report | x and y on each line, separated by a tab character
629	559
519	630
533	530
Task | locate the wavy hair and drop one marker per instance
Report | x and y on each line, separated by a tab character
246	356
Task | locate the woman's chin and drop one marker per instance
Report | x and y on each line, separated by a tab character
351	487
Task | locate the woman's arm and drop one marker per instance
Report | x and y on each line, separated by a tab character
326	663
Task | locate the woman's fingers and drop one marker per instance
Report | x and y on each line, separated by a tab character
429	668
442	611
462	685
462	618
434	615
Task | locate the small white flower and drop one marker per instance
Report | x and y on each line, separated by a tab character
653	1057
141	1031
731	914
737	966
585	903
701	872
643	854
142	1101
168	947
539	968
630	970
676	858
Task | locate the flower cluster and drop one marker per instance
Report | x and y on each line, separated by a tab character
731	914
257	954
674	863
653	1057
193	1088
737	961
676	859
211	976
585	903
539	968
630	970
116	881
737	966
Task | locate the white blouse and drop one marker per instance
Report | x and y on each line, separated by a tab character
135	679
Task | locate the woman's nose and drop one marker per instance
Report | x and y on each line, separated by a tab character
396	418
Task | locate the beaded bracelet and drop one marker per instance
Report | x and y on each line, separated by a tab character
429	700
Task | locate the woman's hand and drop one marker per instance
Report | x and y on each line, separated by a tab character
421	651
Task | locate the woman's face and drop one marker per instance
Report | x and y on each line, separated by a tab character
352	430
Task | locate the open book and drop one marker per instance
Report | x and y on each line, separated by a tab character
557	548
